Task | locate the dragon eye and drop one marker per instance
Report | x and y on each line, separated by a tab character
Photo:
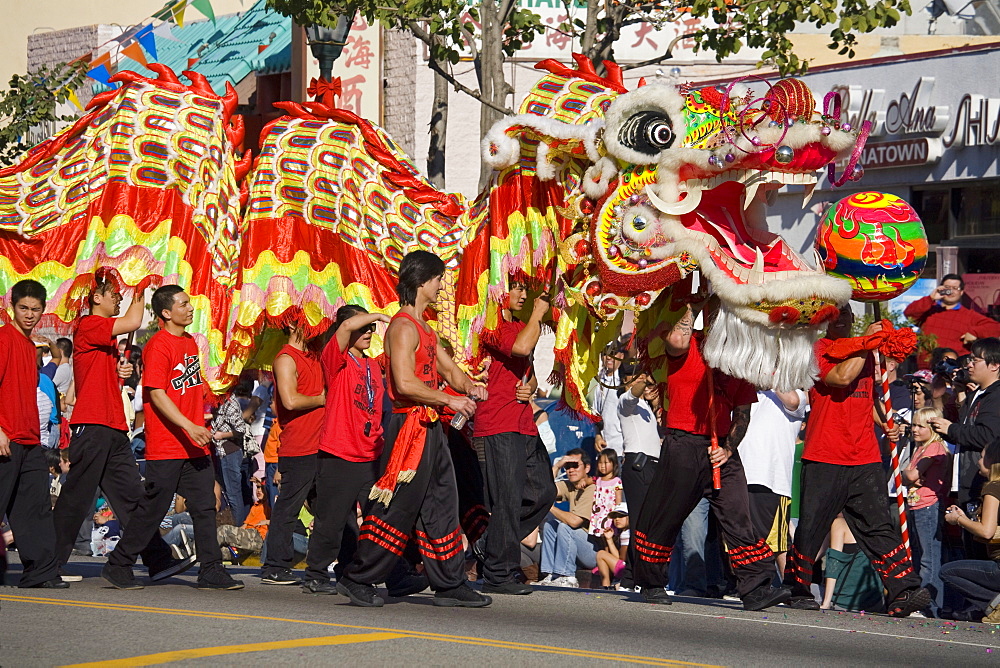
639	223
647	132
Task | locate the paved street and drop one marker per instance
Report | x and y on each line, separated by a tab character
268	625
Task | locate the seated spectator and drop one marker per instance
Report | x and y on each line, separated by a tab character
928	478
611	559
229	432
238	542
979	580
565	541
851	582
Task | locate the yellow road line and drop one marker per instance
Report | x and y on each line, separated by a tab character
202	652
423	635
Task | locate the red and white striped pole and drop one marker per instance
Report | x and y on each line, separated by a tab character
897	471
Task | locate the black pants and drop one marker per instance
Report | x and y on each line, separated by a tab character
520	492
194	479
472	512
427	506
682	479
635	484
298	480
24	496
340	486
858	492
100	456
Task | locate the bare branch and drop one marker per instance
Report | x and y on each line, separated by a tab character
659	59
462	88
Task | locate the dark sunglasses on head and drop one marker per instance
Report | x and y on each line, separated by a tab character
571	465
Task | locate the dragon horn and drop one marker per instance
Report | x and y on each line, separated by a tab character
584	64
236	131
166	74
199	83
230	100
614	73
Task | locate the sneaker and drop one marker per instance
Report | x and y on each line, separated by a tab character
462	596
909	601
512	588
54	583
802	602
565	581
66	576
177	552
318	587
175	567
120	577
994	605
411	584
992	618
280	576
620	587
360	594
547	580
657	595
217	577
765	596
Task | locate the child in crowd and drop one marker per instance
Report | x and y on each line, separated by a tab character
851	582
608	490
979	581
928	477
611	559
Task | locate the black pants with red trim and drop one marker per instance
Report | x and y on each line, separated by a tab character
426	508
858	492
469	479
682	479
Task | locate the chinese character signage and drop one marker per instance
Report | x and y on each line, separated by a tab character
360	70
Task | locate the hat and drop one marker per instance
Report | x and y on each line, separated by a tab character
923	375
620	509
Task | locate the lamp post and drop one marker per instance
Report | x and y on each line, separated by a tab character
328	43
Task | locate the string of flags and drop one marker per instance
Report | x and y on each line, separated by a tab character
138	41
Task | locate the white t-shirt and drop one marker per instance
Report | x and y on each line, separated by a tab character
264	393
63	377
638	425
612	431
599	393
768	449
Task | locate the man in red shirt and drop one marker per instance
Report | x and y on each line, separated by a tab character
943	315
842	472
100	452
417	492
177	453
519	485
301	397
24	472
695	395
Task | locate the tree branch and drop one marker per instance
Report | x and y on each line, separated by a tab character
462	88
659	59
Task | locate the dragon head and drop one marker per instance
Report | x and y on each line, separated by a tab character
679	179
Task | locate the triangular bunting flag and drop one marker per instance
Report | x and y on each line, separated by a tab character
101	74
164	31
261	47
71	96
148	41
205	7
134	51
192	61
177	13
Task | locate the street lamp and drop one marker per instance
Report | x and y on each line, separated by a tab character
328	43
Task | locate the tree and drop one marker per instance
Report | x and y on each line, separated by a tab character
758	24
451	30
30	101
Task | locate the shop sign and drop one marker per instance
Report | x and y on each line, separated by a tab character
901	153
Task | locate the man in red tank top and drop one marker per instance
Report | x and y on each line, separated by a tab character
298	378
702	402
842	471
417	495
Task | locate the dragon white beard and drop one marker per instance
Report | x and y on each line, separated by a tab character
771	359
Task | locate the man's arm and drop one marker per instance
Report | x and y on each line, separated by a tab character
402	341
983	431
168	409
355	323
678	340
286	377
574	521
132	320
919	309
527	338
741	420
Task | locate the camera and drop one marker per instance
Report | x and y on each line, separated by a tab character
952	370
944	291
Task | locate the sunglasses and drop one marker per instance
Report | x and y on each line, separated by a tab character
571	465
368	328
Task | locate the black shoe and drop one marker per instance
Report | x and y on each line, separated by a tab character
360	594
66	576
217	577
512	588
318	587
173	567
479	549
910	601
801	602
657	595
120	577
462	596
411	584
765	596
55	583
280	576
